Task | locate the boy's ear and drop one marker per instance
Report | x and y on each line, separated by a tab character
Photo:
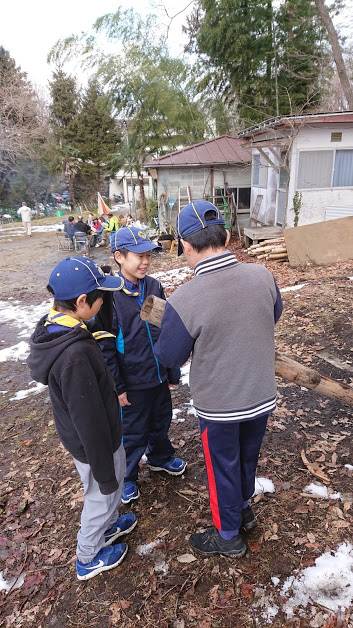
117	257
187	247
81	300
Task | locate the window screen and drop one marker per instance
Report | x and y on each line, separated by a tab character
256	170
343	171
259	172
315	169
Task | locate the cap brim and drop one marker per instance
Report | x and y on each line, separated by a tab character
144	247
110	283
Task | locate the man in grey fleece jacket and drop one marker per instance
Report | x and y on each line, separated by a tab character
225	318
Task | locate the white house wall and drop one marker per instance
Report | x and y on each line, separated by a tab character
200	180
267	213
315	202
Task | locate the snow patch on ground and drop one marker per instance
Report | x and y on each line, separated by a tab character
185	374
13	583
329	582
161	567
24	317
34	390
292	288
16	352
147	548
173	278
319	490
349	466
263	485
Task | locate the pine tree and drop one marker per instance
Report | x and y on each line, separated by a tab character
96	137
302	53
64	108
267	60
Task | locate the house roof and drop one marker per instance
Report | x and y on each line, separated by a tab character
328	117
224	150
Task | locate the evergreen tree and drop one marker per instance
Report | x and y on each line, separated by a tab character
269	61
301	56
96	137
63	110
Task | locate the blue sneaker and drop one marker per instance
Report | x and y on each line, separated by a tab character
174	466
130	492
123	525
107	558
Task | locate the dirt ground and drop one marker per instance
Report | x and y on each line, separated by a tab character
41	498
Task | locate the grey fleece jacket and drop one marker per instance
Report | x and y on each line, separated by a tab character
225	317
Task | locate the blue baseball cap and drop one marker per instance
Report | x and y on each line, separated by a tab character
131	239
192	219
79	275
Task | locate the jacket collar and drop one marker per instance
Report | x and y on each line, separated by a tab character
65	320
215	262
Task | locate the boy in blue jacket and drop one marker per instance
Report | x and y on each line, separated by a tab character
141	382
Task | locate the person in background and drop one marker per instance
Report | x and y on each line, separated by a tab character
69	228
26	216
97	231
113	223
90	219
225	319
82	226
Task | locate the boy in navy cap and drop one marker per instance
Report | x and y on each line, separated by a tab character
141	381
64	355
225	317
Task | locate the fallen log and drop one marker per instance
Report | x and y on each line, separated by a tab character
285	367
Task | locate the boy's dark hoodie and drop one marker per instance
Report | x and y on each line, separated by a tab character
81	388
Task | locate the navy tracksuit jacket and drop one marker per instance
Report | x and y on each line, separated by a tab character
137	371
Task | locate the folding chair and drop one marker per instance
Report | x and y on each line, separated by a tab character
64	243
82	242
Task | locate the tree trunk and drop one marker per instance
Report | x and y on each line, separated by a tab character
142	196
326	20
290	370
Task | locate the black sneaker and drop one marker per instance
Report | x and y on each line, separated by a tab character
210	542
248	519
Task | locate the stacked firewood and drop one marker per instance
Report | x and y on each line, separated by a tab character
274	249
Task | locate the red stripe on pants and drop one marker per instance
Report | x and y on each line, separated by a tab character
211	480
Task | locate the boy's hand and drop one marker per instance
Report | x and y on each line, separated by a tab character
172	386
123	400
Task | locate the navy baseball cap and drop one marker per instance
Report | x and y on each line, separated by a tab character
131	239
192	219
79	275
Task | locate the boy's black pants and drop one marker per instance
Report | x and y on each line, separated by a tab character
145	428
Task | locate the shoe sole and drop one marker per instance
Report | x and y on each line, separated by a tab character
131	499
119	534
239	554
92	574
166	470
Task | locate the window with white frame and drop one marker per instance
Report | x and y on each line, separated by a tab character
343	170
325	169
259	172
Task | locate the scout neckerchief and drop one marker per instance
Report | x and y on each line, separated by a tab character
58	318
65	320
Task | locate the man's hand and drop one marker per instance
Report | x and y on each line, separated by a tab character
123	400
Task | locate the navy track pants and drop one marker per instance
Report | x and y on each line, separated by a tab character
145	428
231	452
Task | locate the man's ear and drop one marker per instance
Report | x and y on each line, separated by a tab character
81	300
228	237
186	246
